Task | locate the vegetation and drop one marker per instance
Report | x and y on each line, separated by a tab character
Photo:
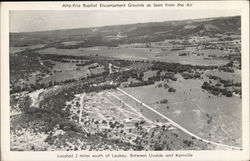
63	103
216	90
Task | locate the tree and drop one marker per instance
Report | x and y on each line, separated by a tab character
141	75
171	89
104	121
158	147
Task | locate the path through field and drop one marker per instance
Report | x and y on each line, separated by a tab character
177	125
138	113
81	108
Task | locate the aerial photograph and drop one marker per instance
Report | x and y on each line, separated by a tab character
129	80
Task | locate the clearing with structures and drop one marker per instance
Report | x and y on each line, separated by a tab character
171	85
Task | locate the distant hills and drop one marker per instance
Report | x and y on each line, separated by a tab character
141	32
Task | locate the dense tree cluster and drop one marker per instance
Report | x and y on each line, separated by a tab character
216	90
22	65
226	83
179	68
183	54
85	63
193	75
140	83
50	109
226	69
171	89
91	42
188	142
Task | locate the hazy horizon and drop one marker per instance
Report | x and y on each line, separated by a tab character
37	21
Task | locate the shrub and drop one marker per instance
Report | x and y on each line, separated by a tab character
171	89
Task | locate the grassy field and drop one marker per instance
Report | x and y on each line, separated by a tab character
152	53
71	42
192	108
99	111
112	106
14	50
66	71
172	139
194	59
65	75
236	76
163	86
118	52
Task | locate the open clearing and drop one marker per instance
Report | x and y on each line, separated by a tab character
152	53
69	70
192	108
113	105
14	50
139	87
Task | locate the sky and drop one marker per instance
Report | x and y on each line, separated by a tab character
29	21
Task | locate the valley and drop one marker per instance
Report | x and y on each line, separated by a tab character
172	85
